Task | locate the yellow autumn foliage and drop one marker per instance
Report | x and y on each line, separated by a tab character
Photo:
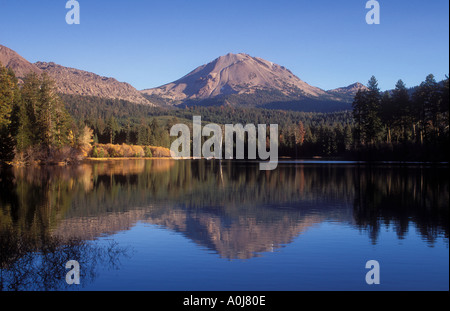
126	151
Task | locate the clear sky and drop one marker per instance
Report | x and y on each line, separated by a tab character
150	43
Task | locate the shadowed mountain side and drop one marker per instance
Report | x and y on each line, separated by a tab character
308	105
272	99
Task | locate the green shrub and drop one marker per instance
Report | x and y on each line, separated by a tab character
148	152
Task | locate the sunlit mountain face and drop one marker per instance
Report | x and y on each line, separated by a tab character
244	80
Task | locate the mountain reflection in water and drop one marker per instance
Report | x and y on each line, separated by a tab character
231	208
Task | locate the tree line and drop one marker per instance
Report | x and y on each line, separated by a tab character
301	133
404	123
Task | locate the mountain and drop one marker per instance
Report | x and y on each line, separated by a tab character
234	79
20	66
243	80
234	74
348	92
73	81
352	89
78	82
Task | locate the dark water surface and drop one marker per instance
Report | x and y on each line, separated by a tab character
210	225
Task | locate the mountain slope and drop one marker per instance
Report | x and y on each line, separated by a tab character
243	80
233	79
234	74
20	66
348	92
73	81
78	82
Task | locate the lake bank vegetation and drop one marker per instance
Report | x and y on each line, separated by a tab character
101	151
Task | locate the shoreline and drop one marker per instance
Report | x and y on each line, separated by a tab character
125	158
286	160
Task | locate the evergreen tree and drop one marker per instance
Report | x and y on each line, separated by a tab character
388	114
348	138
358	107
8	84
372	125
445	96
128	133
21	126
426	102
402	109
53	121
6	96
112	127
155	133
30	98
144	134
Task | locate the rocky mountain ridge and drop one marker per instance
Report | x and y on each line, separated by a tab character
72	81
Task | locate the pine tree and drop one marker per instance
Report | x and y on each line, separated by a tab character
388	114
143	134
8	84
128	133
358	106
21	126
402	108
426	105
30	98
348	137
111	128
156	133
53	121
6	97
372	125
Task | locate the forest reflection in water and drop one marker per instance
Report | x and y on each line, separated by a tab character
231	208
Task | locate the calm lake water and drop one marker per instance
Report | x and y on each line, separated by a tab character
219	225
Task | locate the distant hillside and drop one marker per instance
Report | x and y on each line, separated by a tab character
348	92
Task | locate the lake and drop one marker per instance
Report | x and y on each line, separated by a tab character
197	225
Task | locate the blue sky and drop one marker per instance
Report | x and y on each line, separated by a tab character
149	43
